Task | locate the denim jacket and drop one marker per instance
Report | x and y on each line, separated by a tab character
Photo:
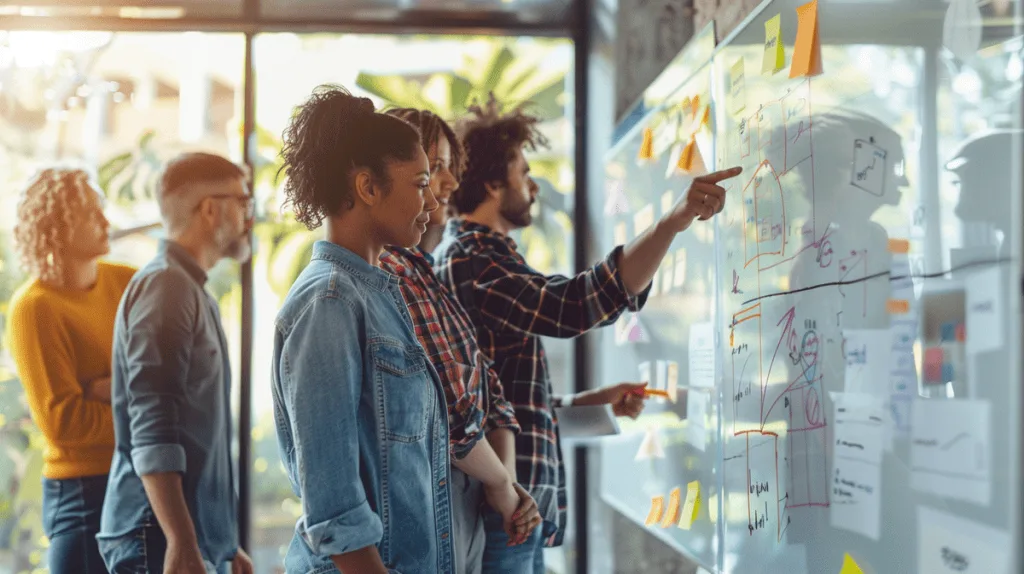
361	421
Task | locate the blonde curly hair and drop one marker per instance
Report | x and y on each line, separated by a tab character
45	213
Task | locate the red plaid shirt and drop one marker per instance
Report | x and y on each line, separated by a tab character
476	400
511	305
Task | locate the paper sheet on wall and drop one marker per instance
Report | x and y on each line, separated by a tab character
696	419
948	544
951	450
984	311
702	355
856	499
867	361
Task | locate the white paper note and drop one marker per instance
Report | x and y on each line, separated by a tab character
856	500
650	446
948	544
643	219
984	311
661	375
902	367
696	419
950	449
702	355
867	354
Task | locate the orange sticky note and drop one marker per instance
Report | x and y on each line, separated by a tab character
899	246
672	512
807	50
850	566
647	145
897	306
694	106
657	508
685	162
774	52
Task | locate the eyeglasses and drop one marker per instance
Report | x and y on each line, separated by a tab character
248	204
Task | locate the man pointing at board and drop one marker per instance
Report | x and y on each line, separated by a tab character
512	305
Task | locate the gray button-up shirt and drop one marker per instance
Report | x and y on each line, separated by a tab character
170	393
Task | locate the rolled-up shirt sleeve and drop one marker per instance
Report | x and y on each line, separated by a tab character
161	320
321	383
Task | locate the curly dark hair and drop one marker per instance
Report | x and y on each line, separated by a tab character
490	139
329	136
432	127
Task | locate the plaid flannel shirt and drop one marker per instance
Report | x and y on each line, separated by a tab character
512	305
476	400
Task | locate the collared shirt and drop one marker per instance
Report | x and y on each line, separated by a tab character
170	388
476	400
512	305
361	420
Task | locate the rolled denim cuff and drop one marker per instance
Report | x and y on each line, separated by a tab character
158	458
352	530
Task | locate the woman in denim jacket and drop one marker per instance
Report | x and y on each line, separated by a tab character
361	417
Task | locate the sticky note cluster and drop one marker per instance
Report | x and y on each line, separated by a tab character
806	49
679	511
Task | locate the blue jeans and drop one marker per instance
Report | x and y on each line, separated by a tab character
71	519
499	558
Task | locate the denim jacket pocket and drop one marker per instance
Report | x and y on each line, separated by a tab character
404	387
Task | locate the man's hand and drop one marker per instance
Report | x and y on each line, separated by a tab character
626	399
242	564
504	499
703	200
183	559
527	516
97	390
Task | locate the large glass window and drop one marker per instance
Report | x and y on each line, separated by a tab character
441	73
118	105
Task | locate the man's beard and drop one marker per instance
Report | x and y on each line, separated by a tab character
516	211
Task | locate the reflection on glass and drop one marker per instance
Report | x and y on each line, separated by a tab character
117	105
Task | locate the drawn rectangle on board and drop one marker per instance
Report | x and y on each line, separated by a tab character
951	449
797	105
869	167
744	356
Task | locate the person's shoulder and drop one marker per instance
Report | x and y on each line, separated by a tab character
318	286
118	273
28	300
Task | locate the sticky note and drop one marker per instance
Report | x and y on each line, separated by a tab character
897	306
685	162
650	446
692	506
620	235
667	199
694	106
807	49
673	381
680	271
643	219
737	91
774	52
666	274
934	357
900	246
672	512
850	566
647	146
657	509
645	373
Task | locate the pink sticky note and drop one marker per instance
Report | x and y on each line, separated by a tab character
933	358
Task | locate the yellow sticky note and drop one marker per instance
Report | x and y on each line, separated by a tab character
850	566
685	162
647	146
737	92
657	508
672	376
807	49
620	237
694	106
672	513
774	52
691	508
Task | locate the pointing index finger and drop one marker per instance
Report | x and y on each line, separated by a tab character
721	175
